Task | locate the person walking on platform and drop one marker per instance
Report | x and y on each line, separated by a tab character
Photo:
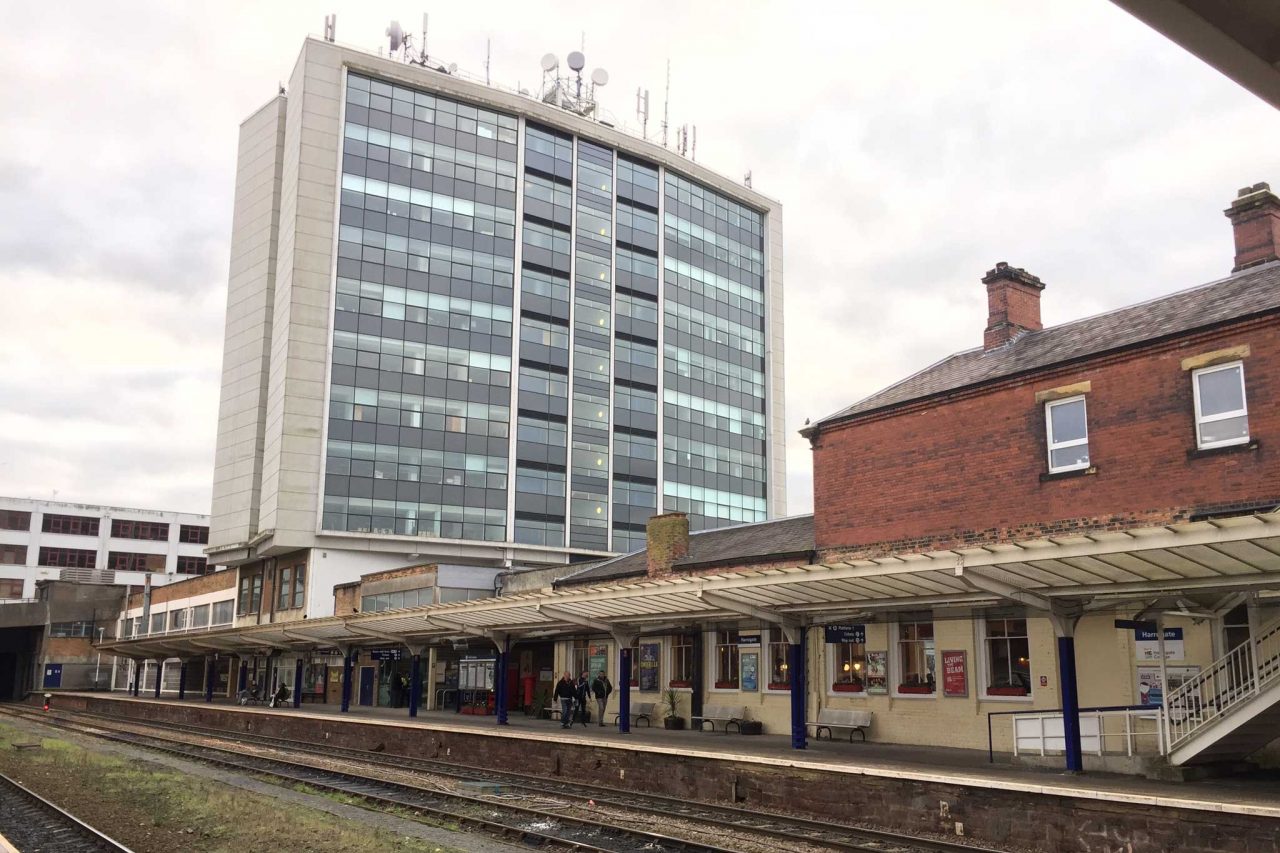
565	692
601	687
582	695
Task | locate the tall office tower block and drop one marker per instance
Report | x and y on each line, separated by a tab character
472	327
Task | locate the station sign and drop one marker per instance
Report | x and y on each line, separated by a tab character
846	634
386	654
1147	644
748	639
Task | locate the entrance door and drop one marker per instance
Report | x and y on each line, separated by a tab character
53	675
366	685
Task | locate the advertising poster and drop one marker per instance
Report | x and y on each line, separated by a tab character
955	673
1151	689
877	672
597	659
1147	644
649	666
750	672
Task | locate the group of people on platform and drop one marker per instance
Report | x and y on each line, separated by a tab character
574	697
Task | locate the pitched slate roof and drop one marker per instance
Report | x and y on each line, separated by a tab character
1251	292
745	543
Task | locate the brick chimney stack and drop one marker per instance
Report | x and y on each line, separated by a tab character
1013	304
667	540
1255	219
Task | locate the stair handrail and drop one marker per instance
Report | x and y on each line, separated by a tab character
1227	682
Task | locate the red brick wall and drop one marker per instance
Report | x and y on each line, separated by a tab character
968	469
186	588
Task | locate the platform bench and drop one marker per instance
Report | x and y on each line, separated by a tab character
639	711
729	715
842	718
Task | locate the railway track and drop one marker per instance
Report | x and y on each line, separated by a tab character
32	824
787	829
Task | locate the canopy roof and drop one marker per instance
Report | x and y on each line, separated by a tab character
1236	554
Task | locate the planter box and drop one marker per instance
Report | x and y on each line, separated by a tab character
1008	691
680	684
673	723
915	689
773	686
726	685
846	688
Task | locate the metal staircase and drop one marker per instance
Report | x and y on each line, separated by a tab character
1232	708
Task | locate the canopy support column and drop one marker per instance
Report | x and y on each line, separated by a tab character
210	673
182	680
159	675
797	654
348	656
1064	627
297	682
624	690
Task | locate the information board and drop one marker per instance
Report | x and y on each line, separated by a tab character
955	673
750	672
846	634
1146	644
649	666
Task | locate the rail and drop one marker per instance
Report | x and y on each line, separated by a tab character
19	600
1231	680
1038	732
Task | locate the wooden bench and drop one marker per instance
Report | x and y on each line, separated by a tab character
639	711
730	715
842	718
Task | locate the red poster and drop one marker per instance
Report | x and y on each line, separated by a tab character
955	673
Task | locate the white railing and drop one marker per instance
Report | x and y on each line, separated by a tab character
1229	681
1042	733
18	600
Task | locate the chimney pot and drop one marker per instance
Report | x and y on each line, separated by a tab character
1013	304
666	541
1255	224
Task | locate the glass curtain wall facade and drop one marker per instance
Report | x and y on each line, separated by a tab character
632	394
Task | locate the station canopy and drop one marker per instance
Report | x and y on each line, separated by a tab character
1189	563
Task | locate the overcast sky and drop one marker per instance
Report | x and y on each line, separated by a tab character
913	145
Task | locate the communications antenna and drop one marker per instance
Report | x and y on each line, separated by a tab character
569	92
666	104
400	46
642	112
330	27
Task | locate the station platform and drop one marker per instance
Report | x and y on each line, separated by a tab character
902	787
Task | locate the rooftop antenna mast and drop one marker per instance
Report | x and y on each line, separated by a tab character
567	92
488	55
642	112
666	105
330	27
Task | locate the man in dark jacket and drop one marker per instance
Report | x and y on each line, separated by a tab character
582	696
601	688
565	692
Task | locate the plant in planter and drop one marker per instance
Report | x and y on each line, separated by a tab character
671	716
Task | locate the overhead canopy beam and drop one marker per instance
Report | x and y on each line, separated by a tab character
976	580
790	626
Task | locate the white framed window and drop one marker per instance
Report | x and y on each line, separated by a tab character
916	659
848	663
1222	418
726	652
1067	427
1007	660
779	660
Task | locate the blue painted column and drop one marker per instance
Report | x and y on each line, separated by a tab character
244	673
624	690
297	684
504	660
1070	703
182	680
159	675
210	675
415	684
797	659
346	680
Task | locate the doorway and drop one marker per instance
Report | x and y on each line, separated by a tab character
366	685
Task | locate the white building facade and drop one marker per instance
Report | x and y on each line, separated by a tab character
53	540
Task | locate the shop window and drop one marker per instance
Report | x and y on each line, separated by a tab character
916	658
779	662
850	662
727	660
1222	418
580	657
299	584
682	660
1068	434
1008	657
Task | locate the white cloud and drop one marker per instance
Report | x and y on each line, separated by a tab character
913	146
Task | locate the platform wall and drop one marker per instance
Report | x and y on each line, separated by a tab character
913	802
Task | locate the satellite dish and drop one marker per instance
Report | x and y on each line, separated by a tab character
453	68
550	63
577	61
396	33
599	77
